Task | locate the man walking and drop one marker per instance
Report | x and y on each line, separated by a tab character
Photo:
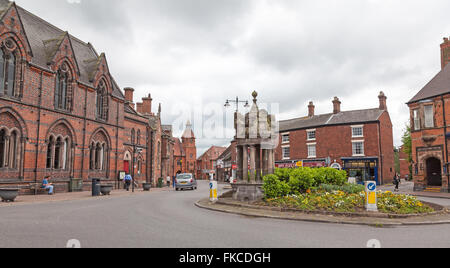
127	180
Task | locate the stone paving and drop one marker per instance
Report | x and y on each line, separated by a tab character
407	187
61	197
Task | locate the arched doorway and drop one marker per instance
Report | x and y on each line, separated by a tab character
434	172
127	162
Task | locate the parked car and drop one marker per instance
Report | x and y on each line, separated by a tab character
185	181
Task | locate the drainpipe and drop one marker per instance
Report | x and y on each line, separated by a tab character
83	150
38	132
381	178
446	144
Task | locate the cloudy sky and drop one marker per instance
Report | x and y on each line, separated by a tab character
192	55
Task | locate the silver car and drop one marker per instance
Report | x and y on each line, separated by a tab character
185	181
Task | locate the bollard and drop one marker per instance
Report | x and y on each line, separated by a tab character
213	191
371	196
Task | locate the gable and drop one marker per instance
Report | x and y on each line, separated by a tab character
59	50
12	26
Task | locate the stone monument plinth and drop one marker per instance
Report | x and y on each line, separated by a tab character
256	140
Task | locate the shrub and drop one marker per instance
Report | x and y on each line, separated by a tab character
283	174
301	180
274	188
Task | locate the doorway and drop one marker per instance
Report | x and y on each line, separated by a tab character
434	172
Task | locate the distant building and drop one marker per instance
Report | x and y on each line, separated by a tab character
206	163
360	142
226	165
430	129
190	149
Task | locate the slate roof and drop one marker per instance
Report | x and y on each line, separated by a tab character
45	38
347	117
439	85
213	153
188	132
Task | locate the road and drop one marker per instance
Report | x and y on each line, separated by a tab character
170	219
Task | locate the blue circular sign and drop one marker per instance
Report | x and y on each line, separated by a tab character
372	186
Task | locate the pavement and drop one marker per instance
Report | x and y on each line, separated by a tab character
87	195
407	187
168	219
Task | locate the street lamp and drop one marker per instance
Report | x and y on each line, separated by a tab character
236	102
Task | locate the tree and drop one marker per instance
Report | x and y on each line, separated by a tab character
407	147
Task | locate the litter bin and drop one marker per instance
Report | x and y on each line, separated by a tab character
96	187
160	183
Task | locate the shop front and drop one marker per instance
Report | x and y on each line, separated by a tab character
309	163
362	169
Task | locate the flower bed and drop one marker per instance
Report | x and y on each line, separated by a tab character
326	190
339	201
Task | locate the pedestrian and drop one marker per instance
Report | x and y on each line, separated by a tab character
127	180
47	185
174	182
397	183
168	181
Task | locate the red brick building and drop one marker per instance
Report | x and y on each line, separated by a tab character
189	149
429	129
206	163
63	115
226	164
360	142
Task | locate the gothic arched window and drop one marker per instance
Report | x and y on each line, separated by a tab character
9	149
8	67
98	156
102	101
132	136
58	153
2	148
63	98
138	137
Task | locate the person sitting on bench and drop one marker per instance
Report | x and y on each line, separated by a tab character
47	185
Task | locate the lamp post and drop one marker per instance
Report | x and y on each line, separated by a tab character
236	102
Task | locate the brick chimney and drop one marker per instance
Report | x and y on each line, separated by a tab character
311	109
140	107
383	102
147	104
336	105
445	52
129	92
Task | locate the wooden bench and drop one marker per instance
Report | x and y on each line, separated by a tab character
37	188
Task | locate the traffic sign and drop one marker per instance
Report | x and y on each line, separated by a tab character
371	196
